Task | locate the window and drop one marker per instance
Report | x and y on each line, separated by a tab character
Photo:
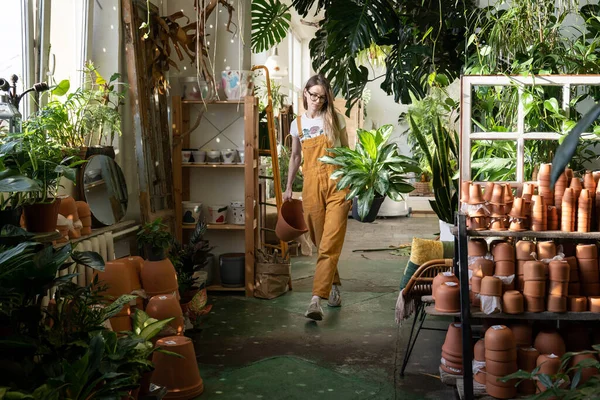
295	69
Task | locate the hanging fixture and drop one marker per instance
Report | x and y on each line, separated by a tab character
9	101
274	66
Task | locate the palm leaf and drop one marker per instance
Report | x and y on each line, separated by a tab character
270	24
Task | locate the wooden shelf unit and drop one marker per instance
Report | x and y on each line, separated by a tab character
181	178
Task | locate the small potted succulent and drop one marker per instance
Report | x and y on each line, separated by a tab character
154	240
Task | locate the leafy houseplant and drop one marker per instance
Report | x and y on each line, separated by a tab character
154	239
374	169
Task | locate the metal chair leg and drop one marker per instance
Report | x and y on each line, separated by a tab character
419	316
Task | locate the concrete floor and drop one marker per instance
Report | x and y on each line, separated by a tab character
266	349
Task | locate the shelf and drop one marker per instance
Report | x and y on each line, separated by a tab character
532	234
217	227
184	101
213	165
545	315
219	288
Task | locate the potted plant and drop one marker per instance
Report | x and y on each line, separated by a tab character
154	239
373	170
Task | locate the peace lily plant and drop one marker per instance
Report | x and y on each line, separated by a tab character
375	168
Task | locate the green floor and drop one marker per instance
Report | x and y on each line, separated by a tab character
252	349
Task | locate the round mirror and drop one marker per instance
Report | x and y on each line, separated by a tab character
103	187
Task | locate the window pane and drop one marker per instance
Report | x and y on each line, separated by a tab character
493	160
11	29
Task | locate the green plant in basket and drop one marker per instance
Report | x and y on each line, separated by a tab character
154	238
373	169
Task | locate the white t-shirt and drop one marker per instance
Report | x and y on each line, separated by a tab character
313	127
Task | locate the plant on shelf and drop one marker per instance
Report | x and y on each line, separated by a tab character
154	239
569	382
190	259
373	170
277	97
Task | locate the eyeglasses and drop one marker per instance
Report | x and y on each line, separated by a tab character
316	97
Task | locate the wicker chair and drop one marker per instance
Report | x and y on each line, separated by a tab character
420	285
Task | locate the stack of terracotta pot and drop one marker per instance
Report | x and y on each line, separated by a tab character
587	261
491	290
584	211
479	358
568	208
477	212
551	347
539	213
590	184
447	293
527	361
68	209
504	262
85	215
441	278
534	288
499	220
524	252
559	285
559	189
543	179
574	283
477	250
500	360
451	361
518	216
512	302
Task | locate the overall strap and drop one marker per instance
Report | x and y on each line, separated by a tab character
298	121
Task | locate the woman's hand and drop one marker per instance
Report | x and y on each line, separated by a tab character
287	195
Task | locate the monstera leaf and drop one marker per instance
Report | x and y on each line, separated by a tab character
270	24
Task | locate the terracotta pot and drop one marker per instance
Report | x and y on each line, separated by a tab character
448	297
552	218
475	195
476	284
520	267
132	269
167	306
478	223
83	209
159	277
488	191
495	380
558	289
586	373
498	194
479	377
122	322
499	392
117	279
574	288
479	350
557	304
546	250
527	360
534	271
550	342
590	289
450	370
558	271
477	248
451	358
442	277
518	225
594	303
572	261
290	221
465	187
179	375
534	304
491	286
502	356
512	302
503	252
453	342
523	249
498	224
523	334
41	217
549	364
486	266
501	368
577	186
499	337
534	288
138	262
68	208
520	283
504	268
586	251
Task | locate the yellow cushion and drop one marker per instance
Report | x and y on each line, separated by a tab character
423	250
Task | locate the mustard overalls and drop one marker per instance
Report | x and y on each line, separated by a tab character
325	211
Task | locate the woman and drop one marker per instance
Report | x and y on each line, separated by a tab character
325	208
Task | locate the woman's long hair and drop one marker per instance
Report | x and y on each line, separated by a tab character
331	124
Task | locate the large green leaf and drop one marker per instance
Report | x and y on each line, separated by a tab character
89	258
567	148
365	200
270	24
19	184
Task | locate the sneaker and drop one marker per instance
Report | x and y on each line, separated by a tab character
314	312
335	299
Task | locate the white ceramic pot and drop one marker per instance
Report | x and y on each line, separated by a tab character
191	212
199	156
185	156
445	234
217	214
237	213
213	156
236	84
241	153
228	155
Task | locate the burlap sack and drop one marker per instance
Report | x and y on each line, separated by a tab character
271	279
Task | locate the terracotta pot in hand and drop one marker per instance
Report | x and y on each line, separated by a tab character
290	221
179	375
550	342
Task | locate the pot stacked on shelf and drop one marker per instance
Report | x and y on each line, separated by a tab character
500	360
558	272
525	251
534	287
452	361
587	261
